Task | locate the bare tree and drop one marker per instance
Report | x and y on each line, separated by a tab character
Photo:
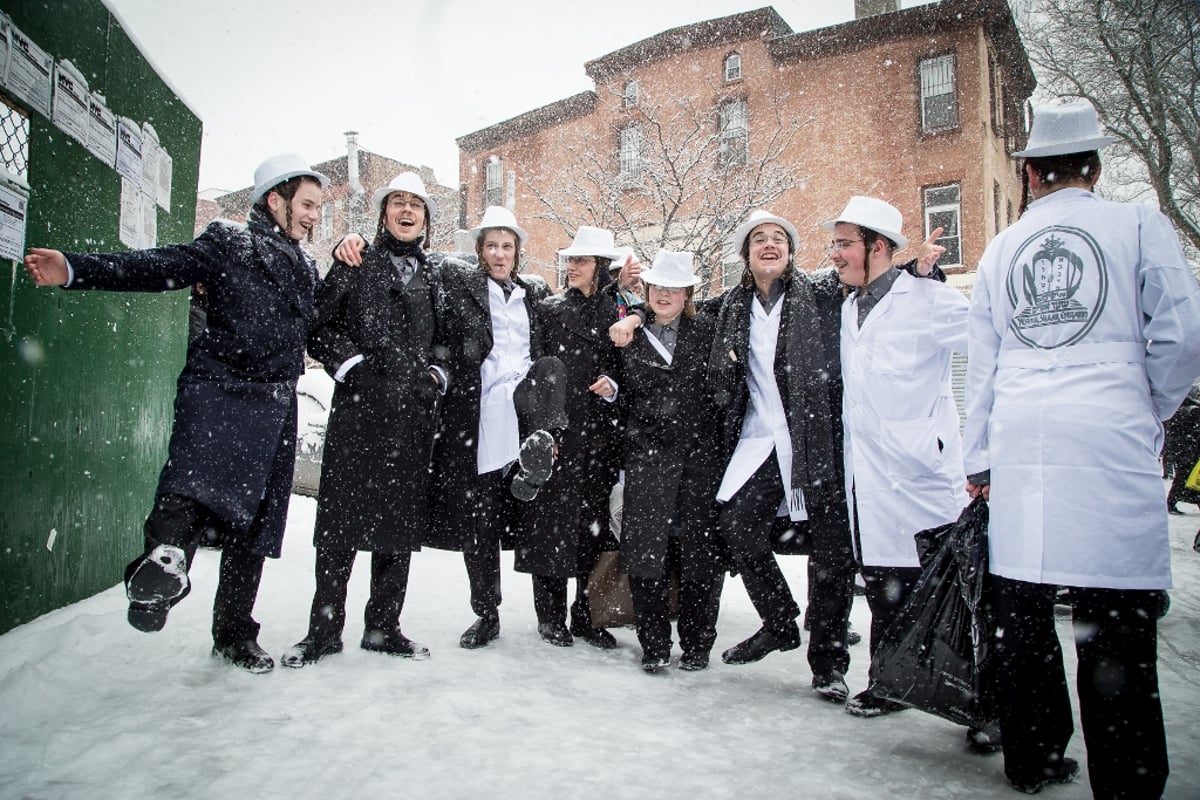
1138	62
671	172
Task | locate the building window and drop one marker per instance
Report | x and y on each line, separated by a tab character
997	205
14	140
996	84
630	155
735	133
943	210
631	94
939	96
733	67
493	182
326	221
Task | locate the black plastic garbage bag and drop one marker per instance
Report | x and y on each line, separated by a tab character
932	656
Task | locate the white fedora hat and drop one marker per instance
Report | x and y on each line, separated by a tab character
498	217
405	182
672	269
761	217
277	169
1062	128
591	241
873	213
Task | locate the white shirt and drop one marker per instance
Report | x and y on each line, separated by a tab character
765	427
505	366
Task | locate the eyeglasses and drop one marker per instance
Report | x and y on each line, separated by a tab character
779	240
840	244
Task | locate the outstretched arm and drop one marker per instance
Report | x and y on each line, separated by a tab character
47	267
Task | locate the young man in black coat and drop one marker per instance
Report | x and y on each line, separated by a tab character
375	334
233	441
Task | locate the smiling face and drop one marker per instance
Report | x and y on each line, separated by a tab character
581	273
667	302
769	252
497	249
849	254
297	216
404	216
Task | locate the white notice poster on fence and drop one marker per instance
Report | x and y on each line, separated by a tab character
165	168
102	130
130	224
149	160
149	221
12	223
71	101
129	151
30	71
5	24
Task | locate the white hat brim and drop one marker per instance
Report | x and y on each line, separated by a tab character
566	252
743	230
1066	148
651	279
900	239
259	191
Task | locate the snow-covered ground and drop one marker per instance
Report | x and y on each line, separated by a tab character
90	708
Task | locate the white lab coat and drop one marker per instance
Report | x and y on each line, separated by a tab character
1084	335
903	453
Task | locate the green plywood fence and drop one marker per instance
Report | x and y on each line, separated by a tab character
87	379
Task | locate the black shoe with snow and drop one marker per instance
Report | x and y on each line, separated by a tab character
555	633
654	663
246	655
831	686
482	631
984	740
866	704
536	462
596	637
309	650
853	637
762	644
1066	771
693	661
393	643
155	583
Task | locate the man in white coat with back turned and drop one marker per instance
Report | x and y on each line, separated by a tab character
1084	336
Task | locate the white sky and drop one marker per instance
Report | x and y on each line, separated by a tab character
410	77
93	708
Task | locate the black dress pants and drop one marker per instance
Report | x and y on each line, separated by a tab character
180	522
1116	642
389	585
699	604
887	590
831	569
745	522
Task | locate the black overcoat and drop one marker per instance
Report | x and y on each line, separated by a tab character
457	504
233	440
375	467
574	501
672	456
808	374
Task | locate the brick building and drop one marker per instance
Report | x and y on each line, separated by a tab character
353	178
919	106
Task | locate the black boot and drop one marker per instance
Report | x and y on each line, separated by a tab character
555	633
482	631
245	654
393	643
762	644
310	650
154	583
